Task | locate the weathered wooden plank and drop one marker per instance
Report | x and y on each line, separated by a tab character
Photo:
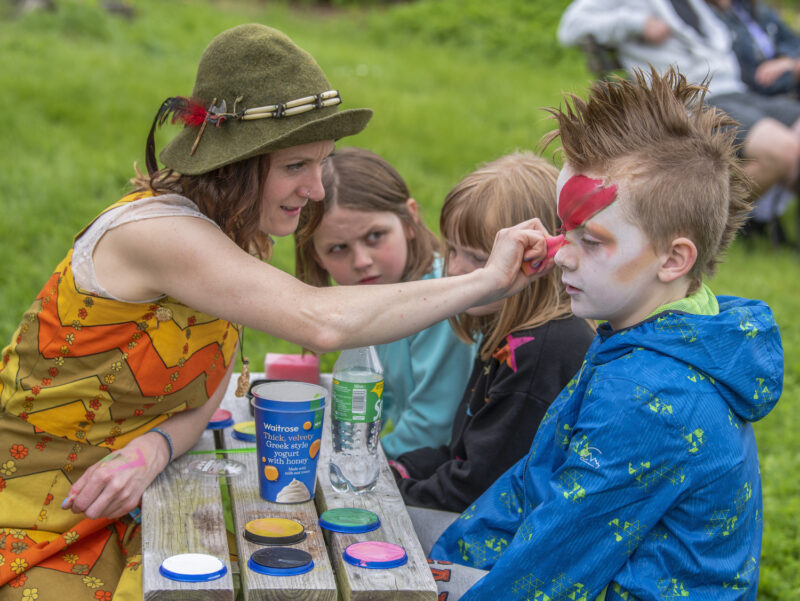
182	513
411	582
317	585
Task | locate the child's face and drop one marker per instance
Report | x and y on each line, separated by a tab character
609	265
361	247
294	178
464	259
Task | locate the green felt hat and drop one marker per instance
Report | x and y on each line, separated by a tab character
255	92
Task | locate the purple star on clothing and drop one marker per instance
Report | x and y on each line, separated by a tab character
506	352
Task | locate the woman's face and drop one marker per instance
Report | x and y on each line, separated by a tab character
361	247
294	178
465	259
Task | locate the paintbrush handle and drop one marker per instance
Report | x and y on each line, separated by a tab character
223	451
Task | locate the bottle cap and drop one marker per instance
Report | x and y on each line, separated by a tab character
375	555
245	431
351	520
281	561
274	531
222	418
192	567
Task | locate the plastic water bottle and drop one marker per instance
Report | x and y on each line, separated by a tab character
356	420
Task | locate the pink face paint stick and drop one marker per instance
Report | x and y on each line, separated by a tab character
553	244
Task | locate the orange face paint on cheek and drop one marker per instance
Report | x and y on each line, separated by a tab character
631	270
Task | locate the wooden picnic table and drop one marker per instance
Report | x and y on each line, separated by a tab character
182	512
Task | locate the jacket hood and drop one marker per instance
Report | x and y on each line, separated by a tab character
740	348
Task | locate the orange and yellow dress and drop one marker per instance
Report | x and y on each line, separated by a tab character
82	376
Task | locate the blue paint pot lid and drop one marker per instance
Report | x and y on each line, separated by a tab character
274	531
376	555
351	520
192	567
244	431
281	561
222	418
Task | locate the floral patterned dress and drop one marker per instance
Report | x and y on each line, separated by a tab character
82	377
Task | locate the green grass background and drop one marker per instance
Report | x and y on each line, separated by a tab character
453	83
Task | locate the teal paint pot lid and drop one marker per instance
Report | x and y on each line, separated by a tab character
351	520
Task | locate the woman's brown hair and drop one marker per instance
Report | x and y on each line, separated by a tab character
499	194
230	196
358	179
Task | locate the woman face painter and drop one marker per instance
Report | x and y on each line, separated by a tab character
122	358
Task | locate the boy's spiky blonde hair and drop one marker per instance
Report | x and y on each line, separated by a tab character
673	157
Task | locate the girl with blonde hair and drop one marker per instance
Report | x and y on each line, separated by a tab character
530	344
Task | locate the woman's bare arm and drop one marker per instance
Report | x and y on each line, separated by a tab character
114	486
191	260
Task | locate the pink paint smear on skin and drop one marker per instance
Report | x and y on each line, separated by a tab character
138	462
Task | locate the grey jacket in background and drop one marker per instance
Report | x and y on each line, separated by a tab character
619	24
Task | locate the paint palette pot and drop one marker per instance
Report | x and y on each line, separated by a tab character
351	520
281	561
222	418
375	555
244	431
192	567
274	531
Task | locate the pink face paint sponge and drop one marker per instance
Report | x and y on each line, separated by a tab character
301	368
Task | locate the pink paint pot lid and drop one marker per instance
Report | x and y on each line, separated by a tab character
376	555
222	418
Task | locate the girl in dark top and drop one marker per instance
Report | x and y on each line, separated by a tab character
530	345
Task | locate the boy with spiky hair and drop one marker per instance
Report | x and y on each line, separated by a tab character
643	476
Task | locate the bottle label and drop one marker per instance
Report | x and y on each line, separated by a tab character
358	402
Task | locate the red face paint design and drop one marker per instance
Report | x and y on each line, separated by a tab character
581	198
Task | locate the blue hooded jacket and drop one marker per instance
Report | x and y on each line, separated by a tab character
643	475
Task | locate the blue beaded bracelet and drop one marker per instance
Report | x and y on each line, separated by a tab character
168	438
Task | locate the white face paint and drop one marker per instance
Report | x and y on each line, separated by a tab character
610	268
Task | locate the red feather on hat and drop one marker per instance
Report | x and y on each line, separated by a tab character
187	111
